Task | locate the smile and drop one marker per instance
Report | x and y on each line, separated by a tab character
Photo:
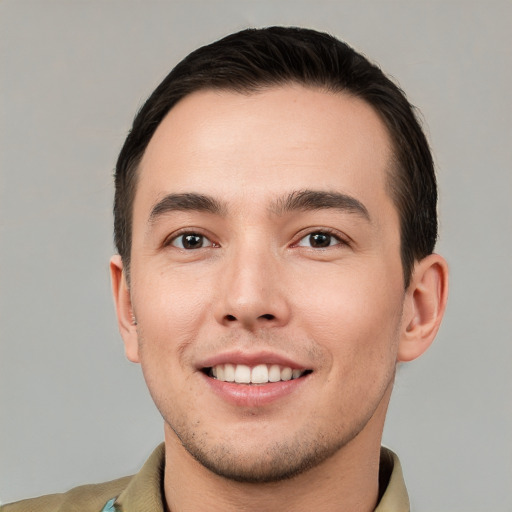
259	374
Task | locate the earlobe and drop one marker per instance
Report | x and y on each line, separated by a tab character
424	307
124	309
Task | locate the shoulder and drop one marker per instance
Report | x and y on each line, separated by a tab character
142	491
84	498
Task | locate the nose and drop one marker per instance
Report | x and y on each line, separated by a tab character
253	292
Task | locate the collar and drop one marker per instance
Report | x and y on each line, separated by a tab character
391	480
145	490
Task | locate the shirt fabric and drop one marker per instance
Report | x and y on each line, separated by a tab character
143	492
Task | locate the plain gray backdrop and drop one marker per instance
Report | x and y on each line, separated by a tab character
72	75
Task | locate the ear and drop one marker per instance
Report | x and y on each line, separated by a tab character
424	307
123	302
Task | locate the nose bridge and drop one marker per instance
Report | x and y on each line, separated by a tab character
251	290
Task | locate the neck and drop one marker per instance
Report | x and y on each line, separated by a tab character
348	480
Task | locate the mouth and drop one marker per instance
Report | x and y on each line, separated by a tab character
260	374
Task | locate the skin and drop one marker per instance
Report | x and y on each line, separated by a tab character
256	284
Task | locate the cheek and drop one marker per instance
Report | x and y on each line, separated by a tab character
171	311
169	320
357	319
172	300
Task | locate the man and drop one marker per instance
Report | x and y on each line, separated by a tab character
275	218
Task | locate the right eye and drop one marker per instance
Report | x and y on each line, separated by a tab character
191	241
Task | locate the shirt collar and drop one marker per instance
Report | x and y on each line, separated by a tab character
145	490
391	480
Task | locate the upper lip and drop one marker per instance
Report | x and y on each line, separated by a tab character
251	359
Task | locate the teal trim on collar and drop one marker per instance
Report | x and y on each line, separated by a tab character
109	506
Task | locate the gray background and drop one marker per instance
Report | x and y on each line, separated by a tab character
73	73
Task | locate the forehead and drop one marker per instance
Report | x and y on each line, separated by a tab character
246	145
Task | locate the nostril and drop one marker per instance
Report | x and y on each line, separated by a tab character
232	318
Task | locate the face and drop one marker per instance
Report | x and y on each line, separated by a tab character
266	278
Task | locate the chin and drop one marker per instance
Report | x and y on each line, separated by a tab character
276	464
256	464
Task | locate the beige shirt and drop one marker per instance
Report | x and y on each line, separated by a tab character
143	491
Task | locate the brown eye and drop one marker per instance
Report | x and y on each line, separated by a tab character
191	241
319	240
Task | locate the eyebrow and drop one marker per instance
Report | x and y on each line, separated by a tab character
307	200
300	200
185	202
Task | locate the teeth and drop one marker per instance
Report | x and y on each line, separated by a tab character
286	374
260	374
274	373
229	373
242	374
296	374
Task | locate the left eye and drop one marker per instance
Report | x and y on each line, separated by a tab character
319	240
191	241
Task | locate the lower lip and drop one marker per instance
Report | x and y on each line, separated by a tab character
254	395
